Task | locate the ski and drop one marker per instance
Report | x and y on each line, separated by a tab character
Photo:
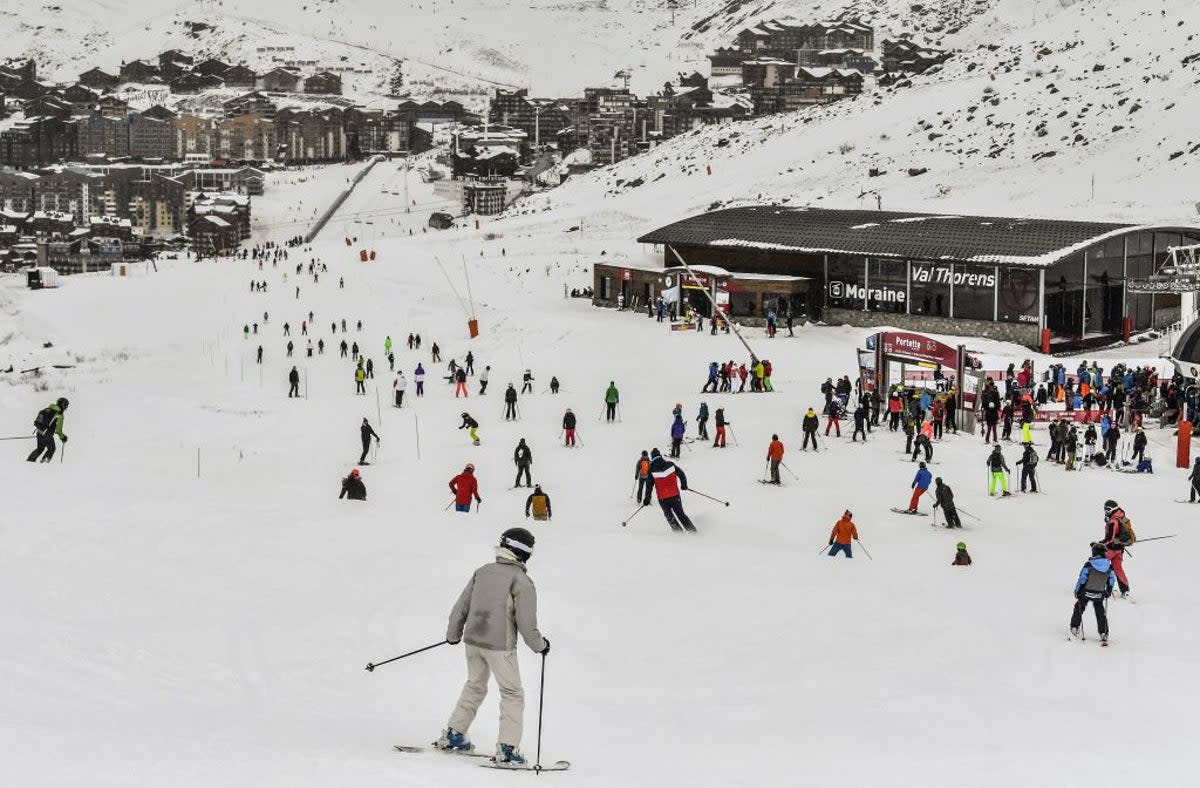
1180	500
557	766
906	511
432	748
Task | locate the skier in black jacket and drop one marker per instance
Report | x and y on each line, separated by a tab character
1028	463
294	380
810	424
353	487
366	432
944	497
510	403
47	424
523	457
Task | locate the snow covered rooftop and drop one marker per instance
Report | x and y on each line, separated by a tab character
977	239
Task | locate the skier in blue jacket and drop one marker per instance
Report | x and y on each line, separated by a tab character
920	484
1095	584
677	430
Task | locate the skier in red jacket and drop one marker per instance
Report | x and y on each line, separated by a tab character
668	478
465	487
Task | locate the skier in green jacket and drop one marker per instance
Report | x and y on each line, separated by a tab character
611	399
47	424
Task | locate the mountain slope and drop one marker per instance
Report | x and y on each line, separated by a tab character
1086	112
556	47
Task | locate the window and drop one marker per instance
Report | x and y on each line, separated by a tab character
844	283
887	286
1064	296
1139	306
930	289
1105	272
975	292
1018	296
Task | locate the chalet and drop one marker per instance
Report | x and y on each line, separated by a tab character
49	106
50	223
159	112
29	90
173	64
280	79
325	83
111	227
903	54
240	180
253	103
80	97
9	79
140	71
238	76
112	106
726	63
847	58
98	79
211	68
212	234
766	72
752	39
192	83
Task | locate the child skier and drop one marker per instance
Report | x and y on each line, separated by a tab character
1095	585
920	484
961	557
997	472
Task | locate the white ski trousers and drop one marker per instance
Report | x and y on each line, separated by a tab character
482	663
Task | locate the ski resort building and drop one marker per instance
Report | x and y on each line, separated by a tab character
1039	282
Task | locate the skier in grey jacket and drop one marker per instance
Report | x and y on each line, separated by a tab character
499	601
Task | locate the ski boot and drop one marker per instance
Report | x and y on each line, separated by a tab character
1075	632
453	740
1005	494
508	753
1104	638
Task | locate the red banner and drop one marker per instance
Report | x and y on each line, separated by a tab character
922	348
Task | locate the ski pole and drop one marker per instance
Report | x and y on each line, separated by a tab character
63	454
578	438
789	470
1154	538
864	549
537	766
766	470
19	438
968	514
449	505
635	512
823	550
731	435
706	495
372	665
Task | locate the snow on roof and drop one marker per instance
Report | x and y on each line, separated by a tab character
971	239
217	221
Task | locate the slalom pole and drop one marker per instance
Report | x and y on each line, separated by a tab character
372	665
968	514
537	766
864	549
706	495
625	522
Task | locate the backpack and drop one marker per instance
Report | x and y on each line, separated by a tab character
644	468
43	420
1125	532
1097	581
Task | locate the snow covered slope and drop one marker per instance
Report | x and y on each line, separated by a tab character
187	603
1085	111
555	47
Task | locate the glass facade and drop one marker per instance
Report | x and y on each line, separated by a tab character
844	282
930	289
887	286
975	292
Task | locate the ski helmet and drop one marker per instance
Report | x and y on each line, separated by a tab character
470	467
519	541
961	546
1109	505
1098	550
655	453
63	403
354	473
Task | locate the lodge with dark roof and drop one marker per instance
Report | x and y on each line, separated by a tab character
1006	278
